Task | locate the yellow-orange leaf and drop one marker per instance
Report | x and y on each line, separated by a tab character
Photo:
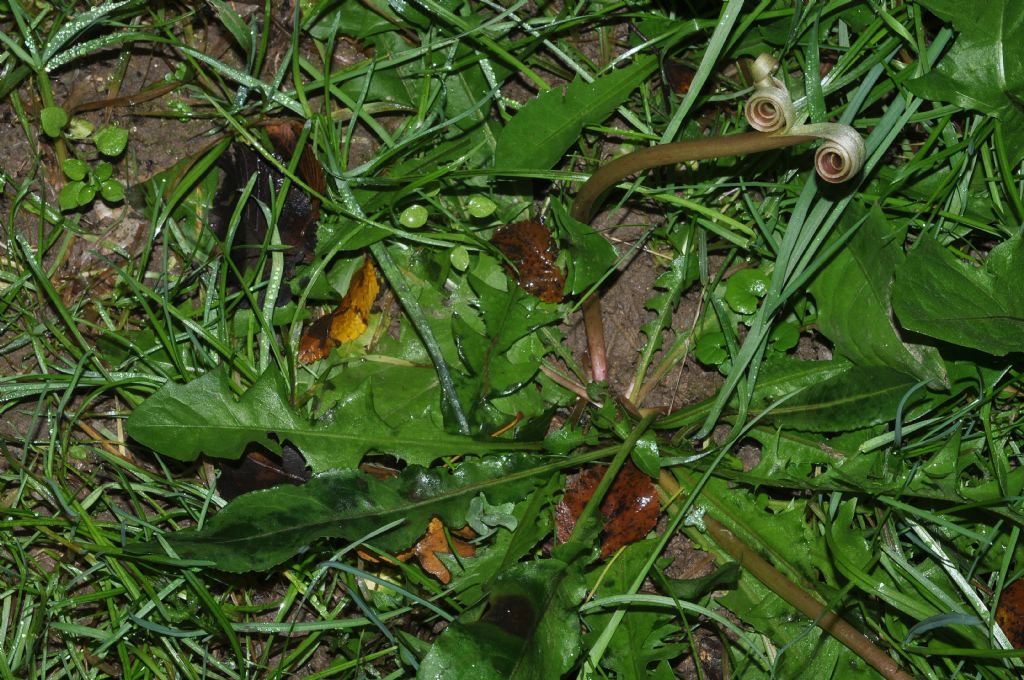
347	322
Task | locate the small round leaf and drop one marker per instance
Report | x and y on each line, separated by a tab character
75	169
111	140
743	289
459	257
53	119
414	217
102	171
710	349
112	191
68	197
480	206
85	194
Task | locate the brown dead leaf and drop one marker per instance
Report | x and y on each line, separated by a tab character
432	544
429	546
1010	613
529	247
678	77
256	470
296	223
435	543
347	322
630	508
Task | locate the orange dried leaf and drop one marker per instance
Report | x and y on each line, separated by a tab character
347	322
1010	613
433	543
529	247
630	508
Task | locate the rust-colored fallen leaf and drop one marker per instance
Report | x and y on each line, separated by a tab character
429	546
1010	613
434	543
678	77
347	322
529	247
630	508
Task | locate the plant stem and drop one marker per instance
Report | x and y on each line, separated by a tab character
591	194
778	583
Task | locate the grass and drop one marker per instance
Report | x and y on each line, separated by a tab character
911	538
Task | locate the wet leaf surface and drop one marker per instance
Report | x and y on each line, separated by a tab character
630	508
204	416
531	250
262	529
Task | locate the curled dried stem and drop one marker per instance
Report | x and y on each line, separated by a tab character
770	111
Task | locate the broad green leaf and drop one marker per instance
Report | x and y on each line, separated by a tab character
503	360
984	70
182	421
259	530
530	630
826	396
354	18
853	295
544	129
859	397
981	308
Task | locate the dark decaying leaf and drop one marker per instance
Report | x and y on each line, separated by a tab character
630	508
678	77
256	470
530	630
1010	613
529	247
261	529
347	322
297	222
